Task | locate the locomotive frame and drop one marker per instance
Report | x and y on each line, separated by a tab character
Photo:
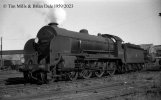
59	53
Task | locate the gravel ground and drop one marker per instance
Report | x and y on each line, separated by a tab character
144	85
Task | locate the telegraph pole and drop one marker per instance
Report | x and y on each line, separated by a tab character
1	55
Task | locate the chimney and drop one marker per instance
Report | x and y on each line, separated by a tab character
53	24
84	31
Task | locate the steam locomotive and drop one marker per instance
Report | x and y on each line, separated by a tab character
59	53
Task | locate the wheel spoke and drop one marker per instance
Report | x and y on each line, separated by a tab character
111	69
51	75
41	77
73	75
86	74
125	68
101	69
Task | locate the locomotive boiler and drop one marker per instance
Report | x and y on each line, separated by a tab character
59	53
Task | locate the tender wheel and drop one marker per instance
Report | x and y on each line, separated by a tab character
133	67
73	75
141	67
119	67
111	68
126	67
101	69
138	67
123	70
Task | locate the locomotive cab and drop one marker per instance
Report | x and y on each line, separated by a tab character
117	45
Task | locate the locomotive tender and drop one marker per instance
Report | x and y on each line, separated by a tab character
57	53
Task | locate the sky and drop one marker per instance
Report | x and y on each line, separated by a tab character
135	21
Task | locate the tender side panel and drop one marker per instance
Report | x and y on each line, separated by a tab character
134	55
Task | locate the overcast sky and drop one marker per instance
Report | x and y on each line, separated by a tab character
135	21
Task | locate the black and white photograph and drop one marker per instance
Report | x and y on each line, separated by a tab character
80	49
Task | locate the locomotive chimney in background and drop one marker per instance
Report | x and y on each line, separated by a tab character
53	24
84	31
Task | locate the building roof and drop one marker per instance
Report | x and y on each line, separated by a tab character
10	52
